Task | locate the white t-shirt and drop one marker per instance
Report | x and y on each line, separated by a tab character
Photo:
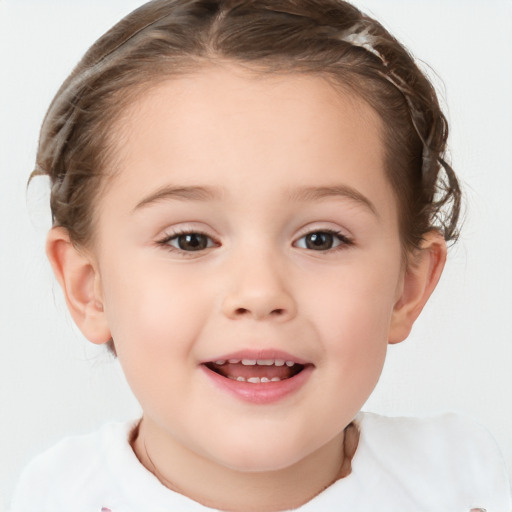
443	463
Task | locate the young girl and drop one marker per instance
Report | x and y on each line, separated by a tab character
250	201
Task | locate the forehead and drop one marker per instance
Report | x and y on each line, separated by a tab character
229	128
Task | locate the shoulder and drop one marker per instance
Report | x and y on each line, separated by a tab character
440	436
448	452
450	428
71	462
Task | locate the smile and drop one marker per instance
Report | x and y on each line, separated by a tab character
256	371
258	378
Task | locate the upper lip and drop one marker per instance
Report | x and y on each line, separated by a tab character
258	355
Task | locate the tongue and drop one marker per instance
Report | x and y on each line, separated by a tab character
270	372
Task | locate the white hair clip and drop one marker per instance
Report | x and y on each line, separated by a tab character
362	39
360	36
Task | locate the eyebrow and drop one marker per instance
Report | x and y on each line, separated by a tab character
315	193
180	193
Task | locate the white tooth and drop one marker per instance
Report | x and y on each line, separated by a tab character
234	361
220	362
289	363
240	379
254	380
265	379
248	362
279	362
265	362
275	379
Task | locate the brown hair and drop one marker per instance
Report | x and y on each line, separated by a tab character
165	38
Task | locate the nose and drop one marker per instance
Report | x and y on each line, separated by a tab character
258	288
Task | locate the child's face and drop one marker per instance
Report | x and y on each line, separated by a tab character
293	253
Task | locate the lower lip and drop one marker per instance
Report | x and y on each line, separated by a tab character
263	393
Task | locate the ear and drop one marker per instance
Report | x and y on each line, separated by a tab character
80	282
420	278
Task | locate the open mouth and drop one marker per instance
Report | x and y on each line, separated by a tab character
256	371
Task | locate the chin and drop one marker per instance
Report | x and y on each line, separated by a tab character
254	458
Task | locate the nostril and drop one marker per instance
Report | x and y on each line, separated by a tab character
273	312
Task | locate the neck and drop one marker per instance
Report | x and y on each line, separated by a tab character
228	489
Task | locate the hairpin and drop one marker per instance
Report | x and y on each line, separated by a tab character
360	36
363	39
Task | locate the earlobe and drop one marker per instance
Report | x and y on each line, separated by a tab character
80	282
419	281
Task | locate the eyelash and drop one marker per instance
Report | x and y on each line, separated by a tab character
165	242
344	241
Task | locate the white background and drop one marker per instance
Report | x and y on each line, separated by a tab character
459	357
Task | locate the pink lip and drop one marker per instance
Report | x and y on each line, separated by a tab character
263	393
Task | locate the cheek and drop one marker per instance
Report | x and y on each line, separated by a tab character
152	312
155	320
357	341
360	300
354	319
355	351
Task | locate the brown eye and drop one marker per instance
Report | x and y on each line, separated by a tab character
190	242
320	241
